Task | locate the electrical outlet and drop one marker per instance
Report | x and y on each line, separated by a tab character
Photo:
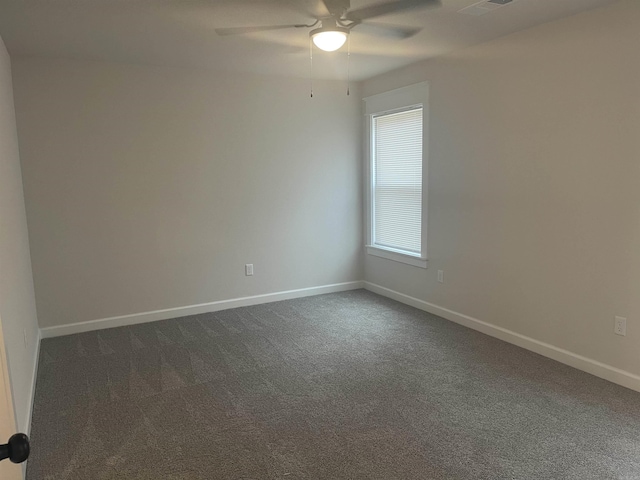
620	327
248	269
440	276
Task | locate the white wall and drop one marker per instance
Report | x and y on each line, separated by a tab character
150	188
17	304
534	174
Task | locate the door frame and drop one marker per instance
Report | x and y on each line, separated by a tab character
8	470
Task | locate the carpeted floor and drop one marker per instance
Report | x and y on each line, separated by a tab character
341	386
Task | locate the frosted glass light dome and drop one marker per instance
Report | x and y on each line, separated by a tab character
329	40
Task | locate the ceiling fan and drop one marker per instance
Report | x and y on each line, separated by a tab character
334	21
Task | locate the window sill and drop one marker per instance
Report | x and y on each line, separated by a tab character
396	256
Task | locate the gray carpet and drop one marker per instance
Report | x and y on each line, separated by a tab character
340	386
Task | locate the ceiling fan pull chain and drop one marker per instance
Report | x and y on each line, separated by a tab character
311	65
348	63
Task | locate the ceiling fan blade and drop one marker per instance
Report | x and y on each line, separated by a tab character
312	8
243	30
389	7
388	30
336	7
320	8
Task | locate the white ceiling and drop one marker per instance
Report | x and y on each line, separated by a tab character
181	33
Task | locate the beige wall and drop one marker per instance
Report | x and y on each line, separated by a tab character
534	174
17	304
150	188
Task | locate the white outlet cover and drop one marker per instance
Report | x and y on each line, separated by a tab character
620	327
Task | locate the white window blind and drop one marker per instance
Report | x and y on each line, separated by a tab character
397	180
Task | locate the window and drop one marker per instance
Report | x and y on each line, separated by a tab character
396	126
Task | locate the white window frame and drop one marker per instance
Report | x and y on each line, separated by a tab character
390	102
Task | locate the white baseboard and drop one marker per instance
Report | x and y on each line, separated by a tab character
168	313
602	370
599	369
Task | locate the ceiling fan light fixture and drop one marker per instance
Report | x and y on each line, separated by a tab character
329	39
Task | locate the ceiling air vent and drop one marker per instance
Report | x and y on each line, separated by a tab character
485	6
